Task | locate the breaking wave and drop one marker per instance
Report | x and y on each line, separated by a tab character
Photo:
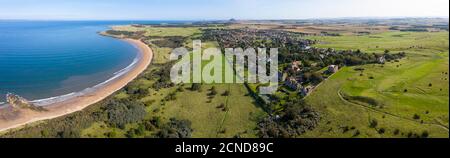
57	99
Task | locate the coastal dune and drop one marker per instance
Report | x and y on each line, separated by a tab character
25	116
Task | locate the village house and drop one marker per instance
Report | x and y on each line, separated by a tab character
296	66
304	91
381	60
282	76
333	69
292	83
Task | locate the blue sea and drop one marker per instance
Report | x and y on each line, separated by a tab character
47	59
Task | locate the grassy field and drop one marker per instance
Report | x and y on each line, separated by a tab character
162	31
411	94
238	117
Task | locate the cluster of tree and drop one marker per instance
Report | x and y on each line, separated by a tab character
296	119
362	99
441	26
392	57
162	76
196	87
176	129
414	30
123	112
69	126
323	33
312	77
142	129
128	34
170	42
135	91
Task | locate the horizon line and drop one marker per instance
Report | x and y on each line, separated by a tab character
244	19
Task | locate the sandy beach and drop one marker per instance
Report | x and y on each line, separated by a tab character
24	116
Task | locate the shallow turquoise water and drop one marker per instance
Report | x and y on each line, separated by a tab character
42	59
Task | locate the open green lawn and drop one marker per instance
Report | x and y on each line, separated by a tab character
416	85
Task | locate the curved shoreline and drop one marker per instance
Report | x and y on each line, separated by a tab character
81	102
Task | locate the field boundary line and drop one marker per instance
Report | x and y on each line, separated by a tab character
390	114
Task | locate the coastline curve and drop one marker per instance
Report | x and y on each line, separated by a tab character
77	101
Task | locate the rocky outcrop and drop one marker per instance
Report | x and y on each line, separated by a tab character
19	102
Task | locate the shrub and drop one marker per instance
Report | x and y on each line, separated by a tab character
149	126
176	129
131	133
221	106
111	134
316	78
140	130
180	89
172	96
213	91
345	129
226	93
416	116
296	119
381	131
396	131
424	134
373	123
357	133
122	113
225	109
196	87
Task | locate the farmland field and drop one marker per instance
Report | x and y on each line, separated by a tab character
410	95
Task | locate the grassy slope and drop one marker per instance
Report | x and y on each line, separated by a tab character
207	120
426	63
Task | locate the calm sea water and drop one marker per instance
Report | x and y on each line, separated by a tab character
42	59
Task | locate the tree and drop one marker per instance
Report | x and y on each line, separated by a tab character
140	130
131	133
416	116
316	78
176	129
111	134
424	134
373	123
381	131
226	93
121	113
213	91
196	87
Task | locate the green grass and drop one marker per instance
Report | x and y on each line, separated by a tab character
162	31
423	65
207	119
393	41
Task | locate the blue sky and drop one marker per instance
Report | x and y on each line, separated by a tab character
217	9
